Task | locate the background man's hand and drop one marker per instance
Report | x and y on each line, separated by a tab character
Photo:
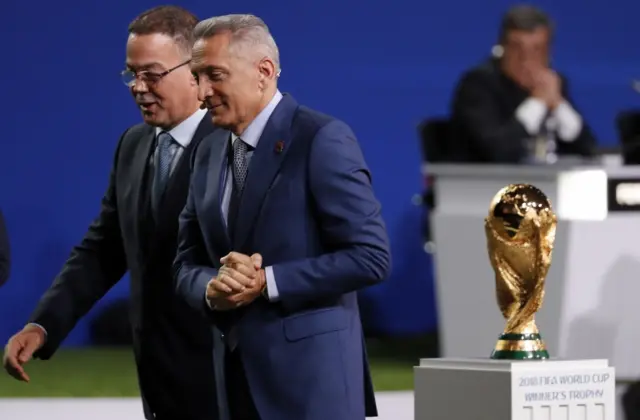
19	350
240	280
548	87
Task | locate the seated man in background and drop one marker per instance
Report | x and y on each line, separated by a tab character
5	255
514	108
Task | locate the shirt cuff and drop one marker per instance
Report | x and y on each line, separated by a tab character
209	305
531	114
569	122
272	287
39	326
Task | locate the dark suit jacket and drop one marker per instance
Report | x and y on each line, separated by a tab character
5	252
309	208
172	343
484	127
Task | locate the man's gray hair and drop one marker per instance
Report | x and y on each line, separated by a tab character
247	30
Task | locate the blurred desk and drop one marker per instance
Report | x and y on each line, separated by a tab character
592	302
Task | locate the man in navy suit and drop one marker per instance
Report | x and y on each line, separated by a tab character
280	229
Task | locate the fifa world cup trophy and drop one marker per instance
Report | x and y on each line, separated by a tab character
520	229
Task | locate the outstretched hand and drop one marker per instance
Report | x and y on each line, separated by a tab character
19	350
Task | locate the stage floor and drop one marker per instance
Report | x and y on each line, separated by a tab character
391	405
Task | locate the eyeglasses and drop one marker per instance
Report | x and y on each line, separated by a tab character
129	77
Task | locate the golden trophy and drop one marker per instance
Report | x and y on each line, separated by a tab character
520	229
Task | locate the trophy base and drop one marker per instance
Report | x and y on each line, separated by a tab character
520	347
481	389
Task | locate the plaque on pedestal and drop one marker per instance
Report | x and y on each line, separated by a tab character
486	389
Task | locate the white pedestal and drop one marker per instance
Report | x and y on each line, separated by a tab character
484	389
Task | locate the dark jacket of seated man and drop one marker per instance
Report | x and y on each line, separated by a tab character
493	118
5	255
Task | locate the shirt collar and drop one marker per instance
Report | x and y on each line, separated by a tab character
183	132
252	133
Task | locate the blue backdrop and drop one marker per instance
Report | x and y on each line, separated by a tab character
381	66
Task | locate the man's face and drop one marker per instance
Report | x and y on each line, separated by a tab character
525	53
230	82
164	101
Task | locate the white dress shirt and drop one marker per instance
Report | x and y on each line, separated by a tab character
182	134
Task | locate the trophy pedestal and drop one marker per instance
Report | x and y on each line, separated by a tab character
485	389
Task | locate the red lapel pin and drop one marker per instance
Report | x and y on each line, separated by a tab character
279	146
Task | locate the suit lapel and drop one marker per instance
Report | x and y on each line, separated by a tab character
215	178
264	166
140	186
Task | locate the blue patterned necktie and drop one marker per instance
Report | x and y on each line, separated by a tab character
165	151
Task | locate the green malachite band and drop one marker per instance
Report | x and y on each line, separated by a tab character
519	337
520	355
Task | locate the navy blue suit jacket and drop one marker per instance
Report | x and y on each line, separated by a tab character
308	207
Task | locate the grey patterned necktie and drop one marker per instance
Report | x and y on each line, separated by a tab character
165	151
240	165
240	169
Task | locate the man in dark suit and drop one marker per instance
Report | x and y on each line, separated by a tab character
136	231
285	188
5	252
515	108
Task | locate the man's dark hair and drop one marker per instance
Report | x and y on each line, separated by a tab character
524	18
172	21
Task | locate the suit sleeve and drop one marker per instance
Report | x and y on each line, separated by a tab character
192	266
585	144
476	109
93	267
350	222
5	252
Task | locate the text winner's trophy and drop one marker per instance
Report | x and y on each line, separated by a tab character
521	229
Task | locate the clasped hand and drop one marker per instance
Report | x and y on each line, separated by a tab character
240	280
548	87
